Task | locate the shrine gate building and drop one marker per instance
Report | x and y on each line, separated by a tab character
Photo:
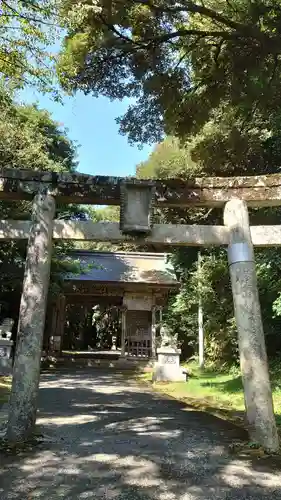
137	284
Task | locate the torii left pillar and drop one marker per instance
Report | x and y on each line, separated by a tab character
26	374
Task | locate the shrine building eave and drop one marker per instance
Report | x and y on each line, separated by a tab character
122	268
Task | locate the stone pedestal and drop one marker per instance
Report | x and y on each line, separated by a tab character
167	368
6	365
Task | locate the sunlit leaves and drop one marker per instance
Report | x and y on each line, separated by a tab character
27	29
178	61
29	138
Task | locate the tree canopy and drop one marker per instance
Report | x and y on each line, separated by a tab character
178	61
27	31
30	139
204	75
218	149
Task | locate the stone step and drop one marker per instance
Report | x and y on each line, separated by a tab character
112	364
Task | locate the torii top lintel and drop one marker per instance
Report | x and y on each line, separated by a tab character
264	190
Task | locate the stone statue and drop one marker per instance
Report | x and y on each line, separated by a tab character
6	328
167	339
167	368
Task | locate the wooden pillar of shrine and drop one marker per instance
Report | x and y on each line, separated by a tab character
153	330
157	318
58	322
123	310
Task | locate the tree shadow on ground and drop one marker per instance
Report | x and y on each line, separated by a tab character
107	438
233	385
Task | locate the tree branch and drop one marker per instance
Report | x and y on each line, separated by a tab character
25	17
202	34
113	29
149	42
194	8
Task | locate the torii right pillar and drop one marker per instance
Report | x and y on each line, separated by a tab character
253	357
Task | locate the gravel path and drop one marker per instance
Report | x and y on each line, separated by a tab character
111	439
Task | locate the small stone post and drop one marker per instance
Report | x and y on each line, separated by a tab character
253	357
123	329
23	399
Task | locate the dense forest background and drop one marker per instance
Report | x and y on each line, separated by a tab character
204	81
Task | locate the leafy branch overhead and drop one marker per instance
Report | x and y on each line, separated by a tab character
27	30
178	60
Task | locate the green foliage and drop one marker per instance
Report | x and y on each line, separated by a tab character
27	28
170	158
211	284
179	62
225	146
30	139
104	214
213	151
220	392
204	74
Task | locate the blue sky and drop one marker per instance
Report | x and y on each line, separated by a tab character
91	124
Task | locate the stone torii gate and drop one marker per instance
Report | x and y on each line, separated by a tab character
137	199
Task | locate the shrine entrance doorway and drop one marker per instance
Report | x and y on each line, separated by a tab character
92	325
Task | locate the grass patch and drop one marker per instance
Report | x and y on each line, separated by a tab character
218	393
5	387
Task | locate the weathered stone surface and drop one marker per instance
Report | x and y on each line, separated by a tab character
161	234
167	368
136	209
80	188
23	400
253	358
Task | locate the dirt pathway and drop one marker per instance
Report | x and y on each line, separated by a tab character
111	439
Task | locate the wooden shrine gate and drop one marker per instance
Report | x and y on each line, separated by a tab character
137	199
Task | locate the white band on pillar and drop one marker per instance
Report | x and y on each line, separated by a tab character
239	252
